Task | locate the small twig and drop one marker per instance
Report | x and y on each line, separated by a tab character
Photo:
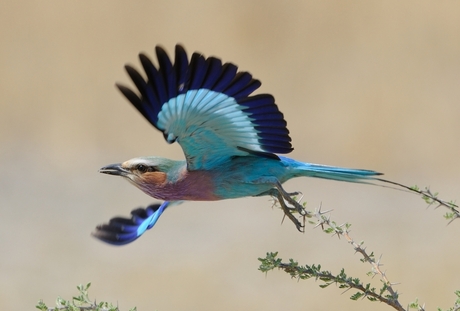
430	198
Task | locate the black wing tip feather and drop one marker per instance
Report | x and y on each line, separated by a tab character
160	51
179	49
129	94
145	59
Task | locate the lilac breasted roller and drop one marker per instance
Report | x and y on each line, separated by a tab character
230	137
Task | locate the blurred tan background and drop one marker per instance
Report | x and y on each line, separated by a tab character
365	84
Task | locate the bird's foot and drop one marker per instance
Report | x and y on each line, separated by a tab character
291	199
294	206
289	213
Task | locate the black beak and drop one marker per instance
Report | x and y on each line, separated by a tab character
114	169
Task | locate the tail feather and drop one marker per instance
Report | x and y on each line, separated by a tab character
338	173
368	177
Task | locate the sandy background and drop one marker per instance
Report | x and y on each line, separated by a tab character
366	84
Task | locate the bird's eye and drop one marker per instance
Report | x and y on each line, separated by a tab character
142	168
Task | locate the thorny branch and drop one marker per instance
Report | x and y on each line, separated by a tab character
329	226
431	198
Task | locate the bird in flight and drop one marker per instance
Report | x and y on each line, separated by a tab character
231	139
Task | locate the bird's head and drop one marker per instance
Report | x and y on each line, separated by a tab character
146	173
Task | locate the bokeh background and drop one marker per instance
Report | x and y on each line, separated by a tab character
365	84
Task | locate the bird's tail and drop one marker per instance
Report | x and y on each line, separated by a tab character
368	177
350	175
336	173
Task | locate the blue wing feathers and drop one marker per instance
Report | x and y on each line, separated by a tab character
227	74
274	132
147	111
262	110
259	100
154	78
213	74
275	143
137	79
247	90
270	123
239	82
131	96
199	82
166	72
120	230
180	66
198	69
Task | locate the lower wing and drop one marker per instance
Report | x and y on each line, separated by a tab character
121	231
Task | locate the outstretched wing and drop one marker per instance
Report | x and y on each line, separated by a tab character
205	106
121	231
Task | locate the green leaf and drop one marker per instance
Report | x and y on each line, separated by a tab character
356	296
